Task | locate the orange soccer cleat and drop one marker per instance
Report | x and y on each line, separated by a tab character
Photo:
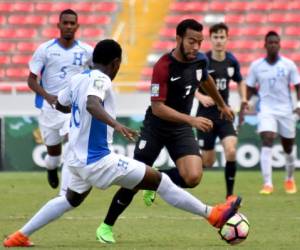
290	186
267	189
222	212
17	239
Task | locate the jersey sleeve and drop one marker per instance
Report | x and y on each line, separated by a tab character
294	74
38	60
64	96
98	86
237	76
159	82
251	78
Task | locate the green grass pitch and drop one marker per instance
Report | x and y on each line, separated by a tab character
274	220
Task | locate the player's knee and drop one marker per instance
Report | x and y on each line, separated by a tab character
230	154
75	199
193	180
52	162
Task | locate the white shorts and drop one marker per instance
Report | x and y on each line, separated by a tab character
113	169
282	125
54	125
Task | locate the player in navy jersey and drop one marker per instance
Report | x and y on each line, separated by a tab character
168	123
90	159
54	62
223	67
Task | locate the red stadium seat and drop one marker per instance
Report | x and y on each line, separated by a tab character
147	71
256	18
92	32
7	46
6	88
189	6
4	59
92	19
27	46
25	33
50	33
7	33
23	6
292	18
236	6
292	31
21	59
44	7
82	6
234	18
258	5
169	33
164	45
6	7
295	57
22	88
289	44
174	20
105	6
60	6
294	5
20	73
143	86
2	20
53	19
27	20
244	44
217	6
278	5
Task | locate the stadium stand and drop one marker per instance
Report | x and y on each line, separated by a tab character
249	21
26	24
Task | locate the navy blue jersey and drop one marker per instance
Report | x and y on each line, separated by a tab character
175	83
222	72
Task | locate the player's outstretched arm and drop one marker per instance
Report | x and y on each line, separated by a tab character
97	111
167	113
210	88
34	86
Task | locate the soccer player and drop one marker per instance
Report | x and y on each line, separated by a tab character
54	62
274	74
223	67
168	122
90	159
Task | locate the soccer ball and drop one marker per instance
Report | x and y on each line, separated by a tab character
235	230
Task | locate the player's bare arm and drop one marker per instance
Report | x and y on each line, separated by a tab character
210	88
166	113
33	84
62	108
99	113
205	100
297	110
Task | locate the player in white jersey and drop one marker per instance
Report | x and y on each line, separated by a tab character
273	75
90	159
54	62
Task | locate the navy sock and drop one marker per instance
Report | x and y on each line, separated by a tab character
230	170
120	202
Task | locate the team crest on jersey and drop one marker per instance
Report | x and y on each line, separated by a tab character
142	144
98	84
230	71
154	89
199	74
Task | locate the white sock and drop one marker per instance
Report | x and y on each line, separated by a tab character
289	165
266	165
49	212
65	178
177	197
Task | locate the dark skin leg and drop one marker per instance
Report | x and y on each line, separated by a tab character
54	150
287	144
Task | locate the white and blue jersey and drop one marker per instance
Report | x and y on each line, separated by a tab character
274	82
56	64
90	139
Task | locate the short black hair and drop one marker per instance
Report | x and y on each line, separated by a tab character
106	51
271	33
218	26
68	12
188	24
